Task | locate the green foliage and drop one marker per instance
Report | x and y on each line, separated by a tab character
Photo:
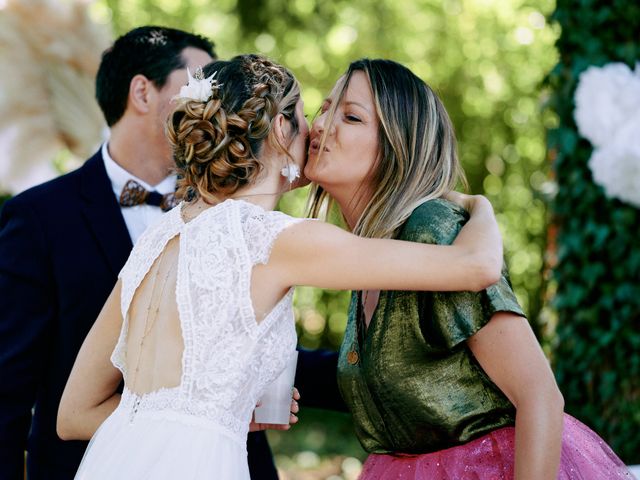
598	260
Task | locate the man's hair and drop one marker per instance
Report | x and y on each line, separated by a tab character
151	51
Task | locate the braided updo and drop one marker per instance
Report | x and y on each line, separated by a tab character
217	143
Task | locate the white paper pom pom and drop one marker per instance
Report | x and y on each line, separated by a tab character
605	98
616	166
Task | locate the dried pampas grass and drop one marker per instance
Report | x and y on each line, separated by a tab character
49	55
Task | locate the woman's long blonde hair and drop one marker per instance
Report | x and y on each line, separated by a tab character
417	158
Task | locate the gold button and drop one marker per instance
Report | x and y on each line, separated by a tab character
352	357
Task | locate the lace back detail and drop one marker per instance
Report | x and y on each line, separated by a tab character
228	358
144	253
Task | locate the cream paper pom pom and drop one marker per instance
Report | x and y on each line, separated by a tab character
606	97
616	166
608	115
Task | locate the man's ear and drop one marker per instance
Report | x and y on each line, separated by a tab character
140	90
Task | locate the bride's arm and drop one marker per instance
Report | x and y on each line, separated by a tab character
482	225
90	394
322	255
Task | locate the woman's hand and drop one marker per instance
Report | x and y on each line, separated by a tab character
293	418
480	233
468	202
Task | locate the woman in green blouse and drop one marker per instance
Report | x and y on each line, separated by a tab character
440	385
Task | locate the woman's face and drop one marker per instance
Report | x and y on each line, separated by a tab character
351	147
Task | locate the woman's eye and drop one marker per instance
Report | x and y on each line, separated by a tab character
352	118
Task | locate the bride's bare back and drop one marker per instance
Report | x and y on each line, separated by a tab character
154	344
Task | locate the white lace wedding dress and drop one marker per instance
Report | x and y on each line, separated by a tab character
198	429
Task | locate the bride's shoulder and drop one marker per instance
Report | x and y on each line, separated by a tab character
261	227
254	215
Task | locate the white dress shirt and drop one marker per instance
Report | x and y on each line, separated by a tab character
139	217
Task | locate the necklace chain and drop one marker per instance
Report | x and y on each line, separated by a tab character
204	205
148	326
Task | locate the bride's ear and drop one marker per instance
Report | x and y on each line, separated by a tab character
282	129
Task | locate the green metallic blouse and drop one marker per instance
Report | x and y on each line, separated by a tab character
410	381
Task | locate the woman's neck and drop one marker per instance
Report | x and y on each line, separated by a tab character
267	201
265	192
352	205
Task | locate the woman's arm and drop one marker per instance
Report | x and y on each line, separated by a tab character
89	396
509	353
322	255
481	227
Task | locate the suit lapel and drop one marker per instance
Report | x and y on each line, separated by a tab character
102	212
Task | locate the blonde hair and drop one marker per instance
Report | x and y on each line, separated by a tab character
417	158
217	143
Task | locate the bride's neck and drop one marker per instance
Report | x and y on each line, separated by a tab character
265	192
262	197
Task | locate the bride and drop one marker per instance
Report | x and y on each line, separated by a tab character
200	320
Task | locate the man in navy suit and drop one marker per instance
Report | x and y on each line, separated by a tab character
63	243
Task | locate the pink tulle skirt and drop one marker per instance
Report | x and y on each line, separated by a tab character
584	456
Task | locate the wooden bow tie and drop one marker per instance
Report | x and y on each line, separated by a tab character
135	194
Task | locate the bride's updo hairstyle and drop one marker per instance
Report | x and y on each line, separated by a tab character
217	143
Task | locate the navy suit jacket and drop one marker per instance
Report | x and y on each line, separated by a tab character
62	245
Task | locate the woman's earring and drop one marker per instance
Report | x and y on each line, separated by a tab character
291	172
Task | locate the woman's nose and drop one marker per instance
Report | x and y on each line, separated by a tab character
319	123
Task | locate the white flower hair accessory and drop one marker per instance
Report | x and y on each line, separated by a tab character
199	88
291	172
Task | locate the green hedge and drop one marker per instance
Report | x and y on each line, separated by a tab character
597	359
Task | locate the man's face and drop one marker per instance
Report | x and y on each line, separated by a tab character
193	58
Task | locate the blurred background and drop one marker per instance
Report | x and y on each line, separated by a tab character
506	71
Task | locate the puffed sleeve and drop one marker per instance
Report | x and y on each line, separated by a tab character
449	318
